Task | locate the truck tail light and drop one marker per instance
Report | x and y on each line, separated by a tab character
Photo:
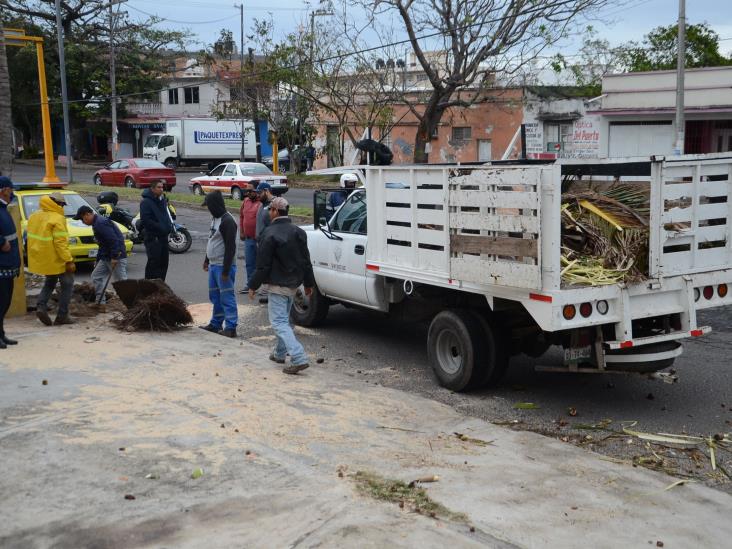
697	294
586	309
602	307
569	312
722	290
708	292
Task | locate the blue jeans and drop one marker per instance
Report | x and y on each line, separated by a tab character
279	317
101	272
222	296
250	258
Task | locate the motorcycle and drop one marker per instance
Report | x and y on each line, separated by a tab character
179	241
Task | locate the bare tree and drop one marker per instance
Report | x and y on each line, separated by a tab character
6	118
471	43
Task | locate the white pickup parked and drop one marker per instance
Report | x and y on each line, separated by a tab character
477	250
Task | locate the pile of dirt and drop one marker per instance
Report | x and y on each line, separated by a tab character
83	301
151	306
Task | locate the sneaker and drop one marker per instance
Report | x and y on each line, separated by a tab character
63	319
275	359
210	328
43	317
228	332
295	368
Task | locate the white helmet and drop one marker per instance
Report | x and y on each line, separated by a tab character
349	180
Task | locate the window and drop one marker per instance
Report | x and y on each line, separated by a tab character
191	95
123	164
173	96
217	171
165	141
255	169
461	135
148	163
351	218
73	203
558	136
113	166
230	170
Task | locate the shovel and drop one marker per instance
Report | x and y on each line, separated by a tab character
104	290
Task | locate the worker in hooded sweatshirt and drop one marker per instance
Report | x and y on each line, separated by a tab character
221	267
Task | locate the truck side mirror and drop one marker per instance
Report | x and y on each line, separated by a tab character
320	205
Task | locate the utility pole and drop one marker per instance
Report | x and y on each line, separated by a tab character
64	94
241	81
680	62
113	77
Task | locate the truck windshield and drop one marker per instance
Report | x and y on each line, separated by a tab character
152	141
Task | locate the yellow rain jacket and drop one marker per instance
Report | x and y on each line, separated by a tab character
48	239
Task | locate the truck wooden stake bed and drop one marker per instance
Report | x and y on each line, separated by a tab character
476	249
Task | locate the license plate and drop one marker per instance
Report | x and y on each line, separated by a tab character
93	253
576	354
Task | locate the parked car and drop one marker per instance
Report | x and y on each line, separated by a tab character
82	244
135	173
283	160
232	179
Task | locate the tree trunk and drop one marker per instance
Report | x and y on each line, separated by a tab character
6	118
427	124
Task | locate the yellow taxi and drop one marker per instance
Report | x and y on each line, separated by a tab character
82	244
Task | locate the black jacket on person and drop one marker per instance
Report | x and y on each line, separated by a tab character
227	231
110	239
10	260
283	258
155	216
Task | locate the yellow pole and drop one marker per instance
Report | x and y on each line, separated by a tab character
275	160
50	176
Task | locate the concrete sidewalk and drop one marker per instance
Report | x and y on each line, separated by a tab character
118	408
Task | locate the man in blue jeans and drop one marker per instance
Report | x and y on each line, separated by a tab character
221	267
283	263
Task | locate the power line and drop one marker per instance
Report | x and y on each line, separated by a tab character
180	22
555	4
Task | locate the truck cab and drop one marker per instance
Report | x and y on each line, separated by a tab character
163	148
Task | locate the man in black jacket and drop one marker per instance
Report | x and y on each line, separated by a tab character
157	224
9	257
111	256
283	263
221	267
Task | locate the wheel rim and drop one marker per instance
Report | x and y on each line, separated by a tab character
98	181
236	194
130	183
197	190
301	303
449	352
177	240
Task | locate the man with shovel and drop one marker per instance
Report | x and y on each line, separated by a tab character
111	257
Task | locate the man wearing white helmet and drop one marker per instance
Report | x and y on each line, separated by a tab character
348	183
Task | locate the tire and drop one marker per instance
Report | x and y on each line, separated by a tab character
197	190
130	183
171	163
646	367
497	342
236	193
456	349
309	311
180	241
98	180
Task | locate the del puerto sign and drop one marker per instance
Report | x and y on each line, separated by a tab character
218	137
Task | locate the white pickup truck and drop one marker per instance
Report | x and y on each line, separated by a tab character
476	249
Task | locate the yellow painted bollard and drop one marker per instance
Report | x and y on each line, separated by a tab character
18	306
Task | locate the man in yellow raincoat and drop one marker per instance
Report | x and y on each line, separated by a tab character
49	255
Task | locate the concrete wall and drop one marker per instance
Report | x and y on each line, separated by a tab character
209	95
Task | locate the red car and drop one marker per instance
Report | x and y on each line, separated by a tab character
135	173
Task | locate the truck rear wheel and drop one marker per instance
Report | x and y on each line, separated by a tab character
309	311
456	349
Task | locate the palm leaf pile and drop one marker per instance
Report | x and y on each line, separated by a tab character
604	234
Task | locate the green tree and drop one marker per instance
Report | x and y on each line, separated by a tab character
6	126
659	49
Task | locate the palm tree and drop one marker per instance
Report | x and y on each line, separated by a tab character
6	118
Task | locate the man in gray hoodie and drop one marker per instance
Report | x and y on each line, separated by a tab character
221	267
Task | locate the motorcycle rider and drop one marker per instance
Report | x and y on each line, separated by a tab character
348	182
157	224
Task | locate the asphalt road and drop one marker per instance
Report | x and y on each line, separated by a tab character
25	173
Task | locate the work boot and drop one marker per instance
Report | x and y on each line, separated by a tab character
2	344
63	319
210	328
5	339
43	317
228	332
264	300
98	307
275	359
292	369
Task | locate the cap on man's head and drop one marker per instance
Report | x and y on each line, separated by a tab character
58	198
82	211
5	182
264	186
278	203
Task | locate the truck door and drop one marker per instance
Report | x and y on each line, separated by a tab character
167	149
344	261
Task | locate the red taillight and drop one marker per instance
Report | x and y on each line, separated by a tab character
626	344
722	290
569	312
586	309
708	292
696	333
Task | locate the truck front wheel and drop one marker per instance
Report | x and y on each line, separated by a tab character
171	163
457	349
309	311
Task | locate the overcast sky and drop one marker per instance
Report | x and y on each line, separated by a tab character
629	22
